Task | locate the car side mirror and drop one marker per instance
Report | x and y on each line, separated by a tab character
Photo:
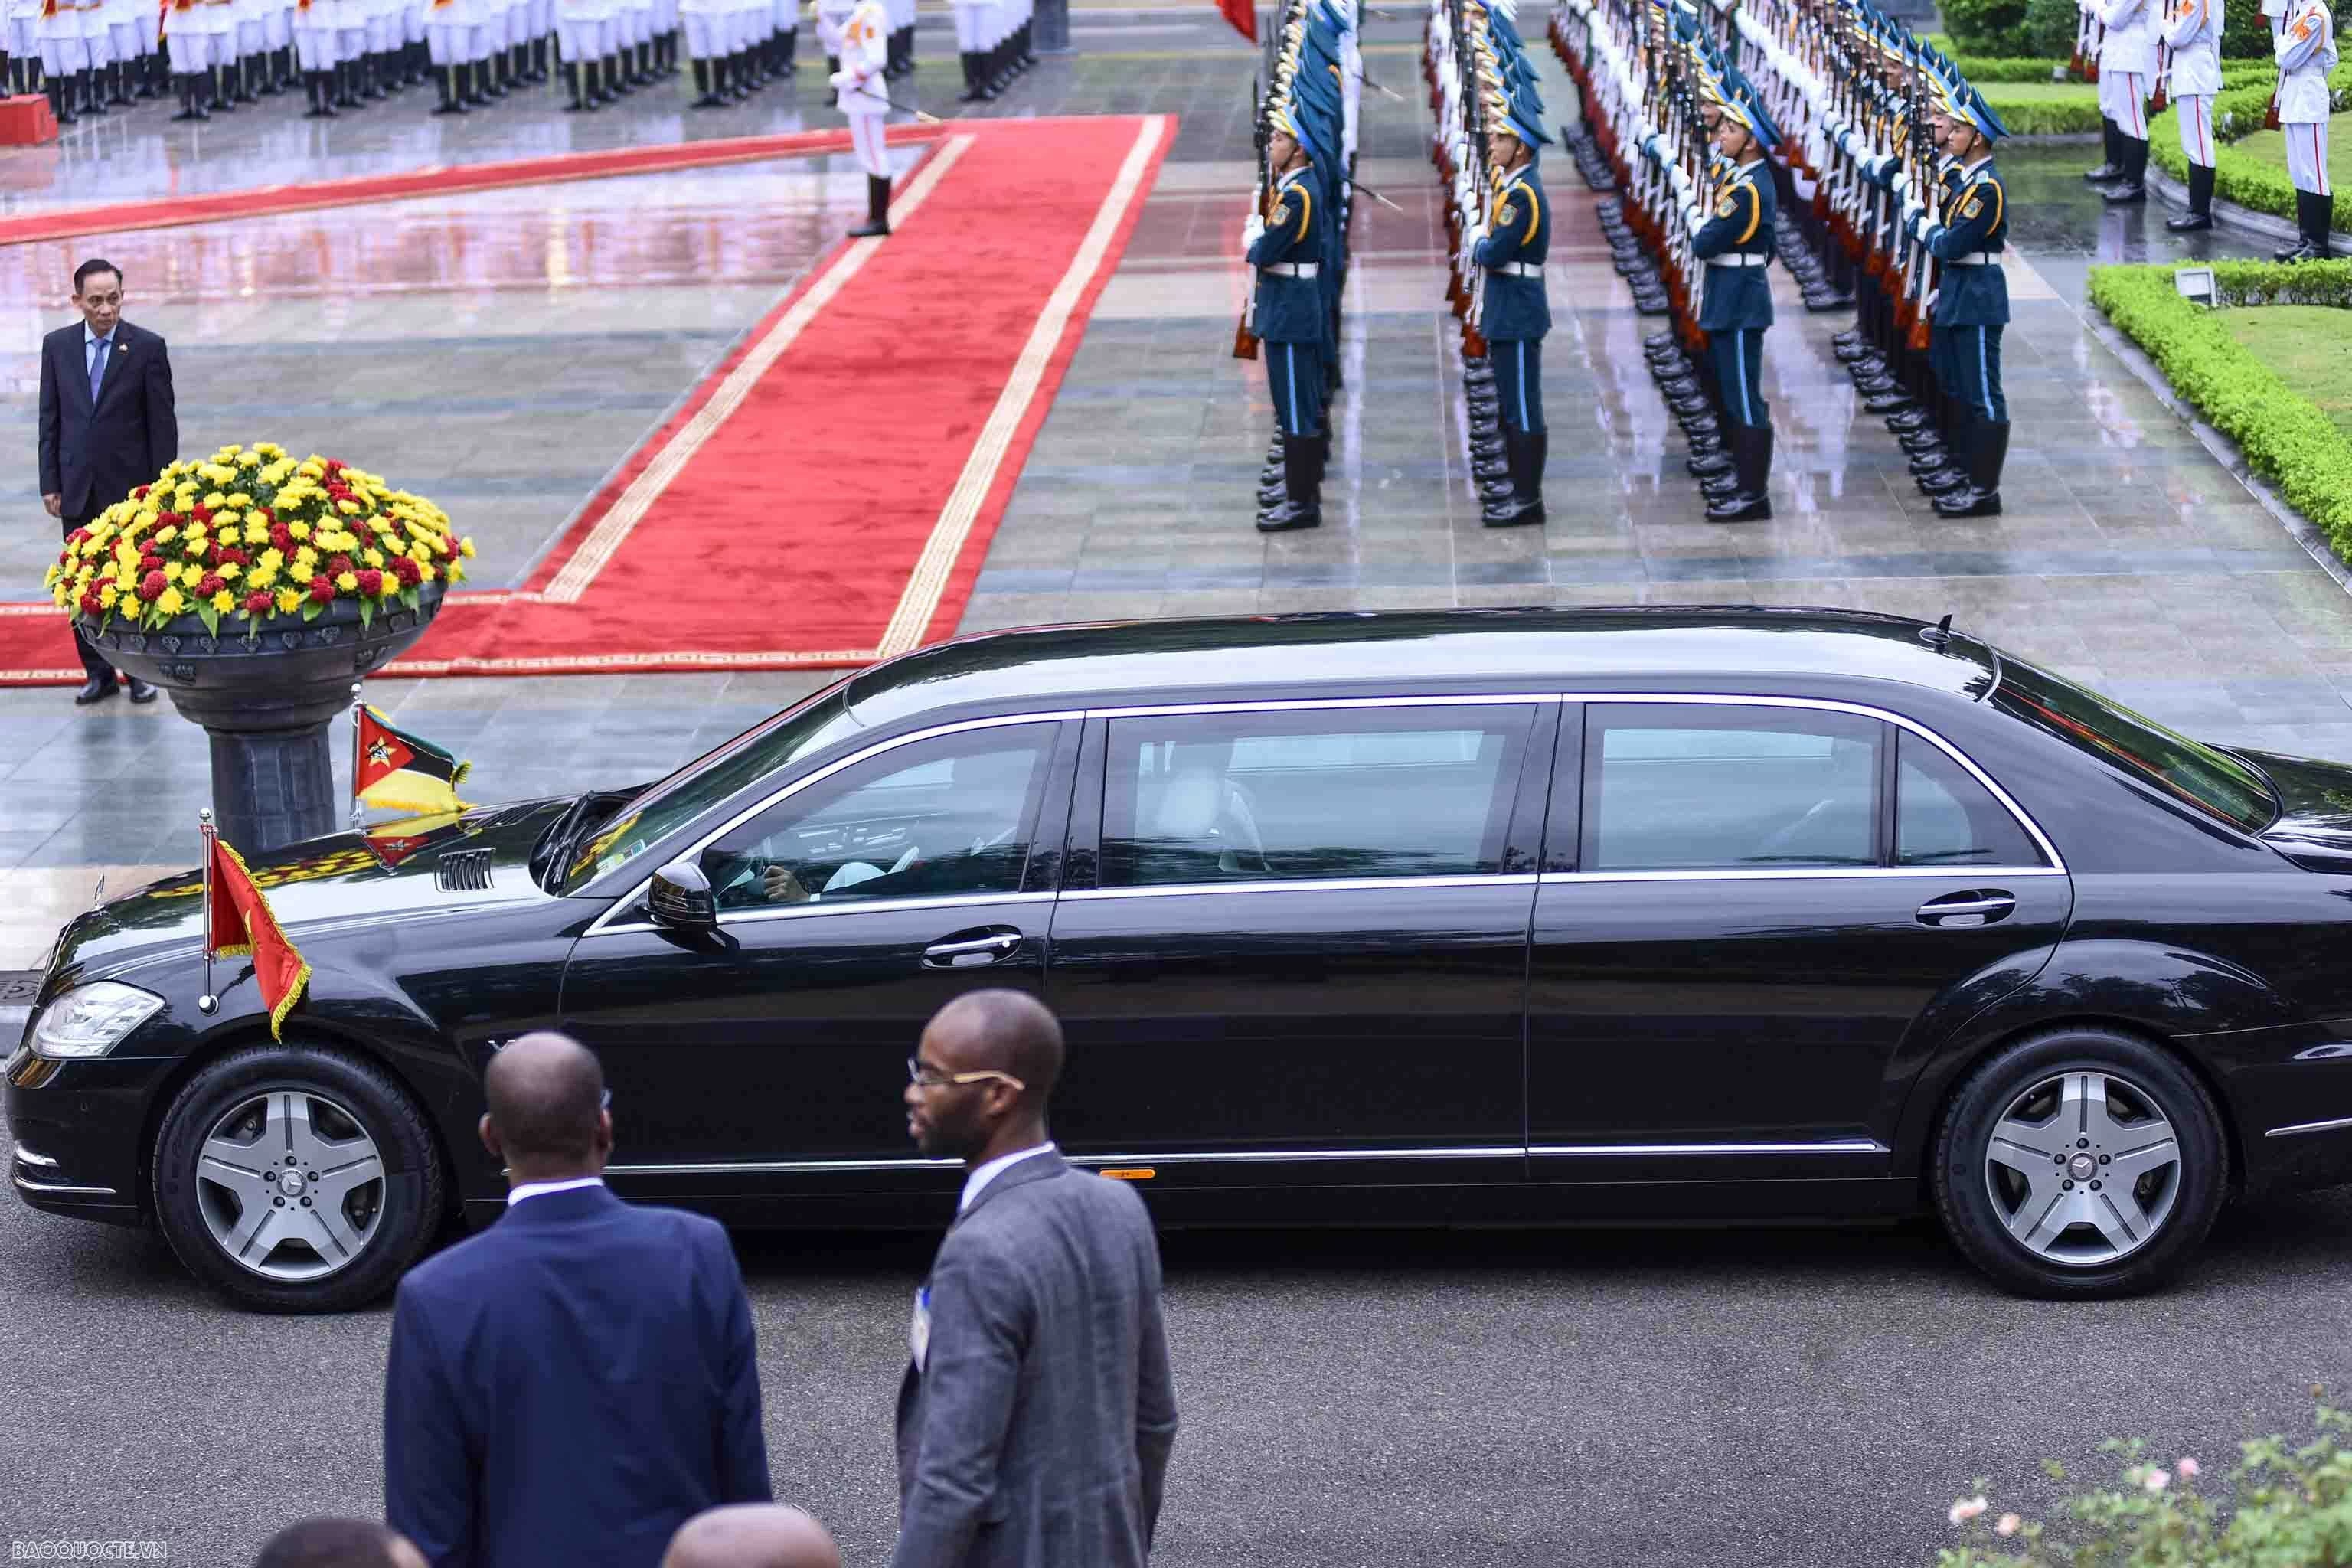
680	899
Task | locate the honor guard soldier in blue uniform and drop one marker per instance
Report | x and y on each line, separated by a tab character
1284	245
1972	298
1735	242
1515	313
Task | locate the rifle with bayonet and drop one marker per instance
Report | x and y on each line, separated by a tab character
1245	332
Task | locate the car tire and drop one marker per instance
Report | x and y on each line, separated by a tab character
2082	1098
361	1227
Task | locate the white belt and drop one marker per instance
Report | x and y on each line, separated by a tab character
1519	270
1981	258
1294	269
1741	259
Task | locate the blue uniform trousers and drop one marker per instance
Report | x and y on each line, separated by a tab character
1738	356
1967	362
1293	374
1519	382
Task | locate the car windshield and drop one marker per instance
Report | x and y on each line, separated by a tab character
2176	764
702	783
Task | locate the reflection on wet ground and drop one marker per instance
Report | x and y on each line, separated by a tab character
502	351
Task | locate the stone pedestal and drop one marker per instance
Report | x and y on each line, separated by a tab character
268	706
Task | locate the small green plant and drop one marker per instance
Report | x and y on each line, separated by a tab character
2279	1507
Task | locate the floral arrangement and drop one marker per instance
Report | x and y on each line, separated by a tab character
250	535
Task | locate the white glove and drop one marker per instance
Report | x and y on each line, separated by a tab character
1902	187
1916	224
1912	213
1479	233
1693	219
1680	180
1253	230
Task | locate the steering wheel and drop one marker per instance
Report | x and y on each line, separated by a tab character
1249	846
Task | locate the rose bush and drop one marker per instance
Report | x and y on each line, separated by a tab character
250	535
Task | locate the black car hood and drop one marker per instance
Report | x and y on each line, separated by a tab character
390	869
2314	824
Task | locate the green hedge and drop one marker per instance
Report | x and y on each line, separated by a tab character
1986	69
1987	26
2285	438
2030	112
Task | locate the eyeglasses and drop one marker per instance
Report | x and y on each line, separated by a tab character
605	1103
923	1077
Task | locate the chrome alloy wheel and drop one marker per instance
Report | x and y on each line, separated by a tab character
2082	1168
290	1185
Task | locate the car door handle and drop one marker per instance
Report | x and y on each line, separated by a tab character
1966	909
963	952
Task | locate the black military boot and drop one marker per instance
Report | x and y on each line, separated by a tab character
877	209
706	73
832	68
1524	506
740	74
2133	188
192	98
2302	249
322	105
1988	449
1302	503
61	101
2111	137
453	98
2323	223
2201	202
1752	452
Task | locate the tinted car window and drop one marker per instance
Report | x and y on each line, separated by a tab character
1211	797
1943	816
2180	767
667	806
1691	787
929	819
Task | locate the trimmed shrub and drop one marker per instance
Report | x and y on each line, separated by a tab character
2028	112
1987	26
2048	28
2285	436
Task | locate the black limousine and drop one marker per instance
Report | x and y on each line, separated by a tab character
1540	917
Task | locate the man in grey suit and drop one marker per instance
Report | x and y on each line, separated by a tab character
1037	1411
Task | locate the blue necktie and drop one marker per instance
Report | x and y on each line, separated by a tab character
98	347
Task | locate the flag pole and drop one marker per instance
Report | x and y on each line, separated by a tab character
358	806
207	1003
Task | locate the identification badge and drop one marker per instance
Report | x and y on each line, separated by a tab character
918	1331
1723	208
1975	206
1505	215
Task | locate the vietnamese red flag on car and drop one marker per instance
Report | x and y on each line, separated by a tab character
238	924
1243	14
394	769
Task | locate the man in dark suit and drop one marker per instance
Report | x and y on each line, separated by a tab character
107	425
579	1380
1038	1412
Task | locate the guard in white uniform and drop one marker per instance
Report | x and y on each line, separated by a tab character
709	50
189	52
2305	51
863	47
24	40
2126	77
65	58
314	48
2192	31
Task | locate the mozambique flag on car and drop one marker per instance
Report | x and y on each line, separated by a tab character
238	924
401	772
393	842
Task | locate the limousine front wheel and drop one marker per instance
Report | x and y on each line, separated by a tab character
294	1179
2080	1163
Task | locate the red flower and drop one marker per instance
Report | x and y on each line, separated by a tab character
280	539
152	586
225	554
322	589
334	465
151	562
77	536
338	565
90	604
211	582
266	514
140	494
257	602
406	571
371	582
201	513
168	520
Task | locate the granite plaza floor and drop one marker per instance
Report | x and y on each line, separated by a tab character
501	351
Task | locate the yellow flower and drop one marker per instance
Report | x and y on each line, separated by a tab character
372	557
50	578
194	535
288	601
262	577
423	575
465	548
224	601
171	603
107	595
269	449
348	582
248	459
457	572
348	507
240	498
61	596
312	468
165	534
226	453
271	561
298	529
304	559
228	571
216	500
218	473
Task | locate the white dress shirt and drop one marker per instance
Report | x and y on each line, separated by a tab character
980	1178
532	1189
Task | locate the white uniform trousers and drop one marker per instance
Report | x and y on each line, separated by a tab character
2195	114
973	21
314	37
2306	155
866	136
2123	98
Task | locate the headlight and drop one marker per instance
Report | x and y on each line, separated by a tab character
89	1020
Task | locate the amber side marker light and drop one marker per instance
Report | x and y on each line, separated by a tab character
1129	1172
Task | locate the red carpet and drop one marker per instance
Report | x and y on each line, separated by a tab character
826	496
438	181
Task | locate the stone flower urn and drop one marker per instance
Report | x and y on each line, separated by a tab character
268	705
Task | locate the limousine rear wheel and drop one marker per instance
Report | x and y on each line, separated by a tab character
296	1179
2080	1163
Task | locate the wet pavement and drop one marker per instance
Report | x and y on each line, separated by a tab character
509	347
